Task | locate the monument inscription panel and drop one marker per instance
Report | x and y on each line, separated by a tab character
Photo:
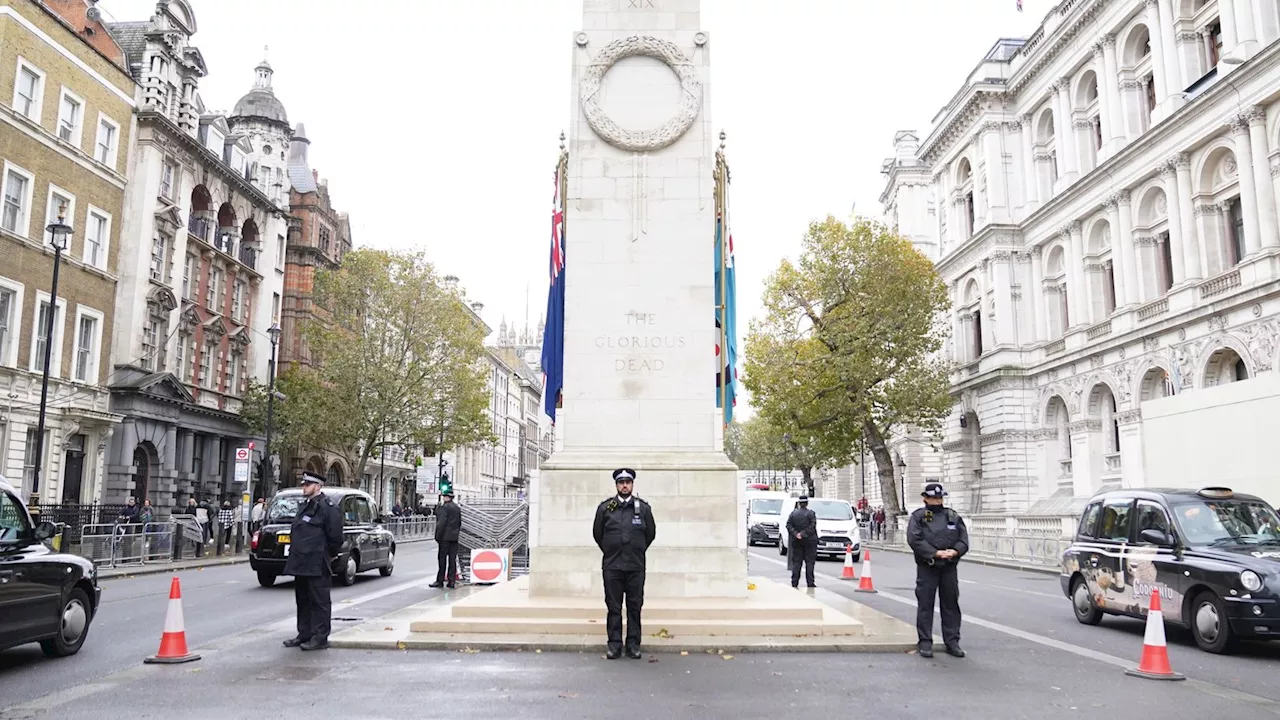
640	349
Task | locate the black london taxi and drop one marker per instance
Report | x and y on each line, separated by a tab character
366	545
45	596
1212	554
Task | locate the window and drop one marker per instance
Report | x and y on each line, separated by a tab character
1097	133
1116	518
977	333
216	141
1213	37
28	90
968	215
1053	168
167	176
324	239
59	201
10	306
183	358
206	365
86	360
1108	288
1150	84
1166	262
108	139
1089	520
1235	232
275	307
15	528
188	272
160	259
211	292
42	336
29	459
1151	517
1239	370
231	374
97	234
151	343
279	252
15	214
237	301
70	117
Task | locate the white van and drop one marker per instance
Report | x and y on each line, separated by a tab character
764	516
837	527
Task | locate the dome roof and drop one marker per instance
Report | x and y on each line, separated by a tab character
261	101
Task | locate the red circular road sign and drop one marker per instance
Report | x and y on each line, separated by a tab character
486	566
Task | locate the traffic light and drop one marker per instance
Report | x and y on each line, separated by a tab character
446	485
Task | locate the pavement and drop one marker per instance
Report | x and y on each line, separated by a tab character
1028	658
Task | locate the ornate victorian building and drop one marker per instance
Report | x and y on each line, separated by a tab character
201	264
1101	200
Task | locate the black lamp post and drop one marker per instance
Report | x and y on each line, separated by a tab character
902	481
786	460
268	478
60	234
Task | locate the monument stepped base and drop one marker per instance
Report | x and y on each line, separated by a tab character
771	618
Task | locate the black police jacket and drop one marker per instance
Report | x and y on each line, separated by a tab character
931	529
624	531
448	522
804	522
316	537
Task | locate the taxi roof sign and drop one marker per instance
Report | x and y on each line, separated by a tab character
1216	492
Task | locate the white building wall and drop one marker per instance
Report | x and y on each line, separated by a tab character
1106	218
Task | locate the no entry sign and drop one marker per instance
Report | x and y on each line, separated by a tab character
490	566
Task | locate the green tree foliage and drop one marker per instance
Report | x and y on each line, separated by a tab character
397	361
849	350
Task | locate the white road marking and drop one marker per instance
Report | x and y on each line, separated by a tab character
1261	703
1051	596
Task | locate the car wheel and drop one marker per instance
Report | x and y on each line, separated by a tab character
266	579
74	628
349	572
1082	603
386	570
1210	626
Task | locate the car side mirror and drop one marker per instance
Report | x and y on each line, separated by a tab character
45	530
1155	537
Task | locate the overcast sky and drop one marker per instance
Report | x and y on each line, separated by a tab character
436	121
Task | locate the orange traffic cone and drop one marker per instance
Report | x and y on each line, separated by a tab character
847	573
865	584
173	644
1155	654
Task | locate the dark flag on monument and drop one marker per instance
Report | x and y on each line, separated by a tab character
553	333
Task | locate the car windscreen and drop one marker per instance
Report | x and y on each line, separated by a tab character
764	506
831	509
284	508
1217	522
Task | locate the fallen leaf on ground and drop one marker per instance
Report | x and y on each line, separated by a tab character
653	660
662	633
388	628
469	651
751	586
538	651
401	646
684	653
727	657
568	695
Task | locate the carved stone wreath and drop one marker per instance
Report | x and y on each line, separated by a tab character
641	140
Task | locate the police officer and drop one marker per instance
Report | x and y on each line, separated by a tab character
938	537
802	539
624	530
448	528
317	540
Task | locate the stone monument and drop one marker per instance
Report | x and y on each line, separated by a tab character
640	330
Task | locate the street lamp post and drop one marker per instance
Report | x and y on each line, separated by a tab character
786	460
60	234
902	482
268	479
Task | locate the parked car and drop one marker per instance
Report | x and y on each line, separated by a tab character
45	596
366	545
764	517
1212	554
837	529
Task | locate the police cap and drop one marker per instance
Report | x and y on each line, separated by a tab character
310	477
624	475
934	490
802	500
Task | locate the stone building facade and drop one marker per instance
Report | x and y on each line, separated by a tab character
66	113
202	269
1101	200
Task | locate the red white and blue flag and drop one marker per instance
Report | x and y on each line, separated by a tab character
553	333
726	322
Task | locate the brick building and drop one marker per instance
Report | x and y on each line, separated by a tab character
66	114
202	268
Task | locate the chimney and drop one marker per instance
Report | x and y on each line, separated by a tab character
905	145
477	306
315	176
450	282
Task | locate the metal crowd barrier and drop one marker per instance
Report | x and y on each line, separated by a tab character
124	544
1027	548
411	528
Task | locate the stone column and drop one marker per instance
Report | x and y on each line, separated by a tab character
980	188
939	215
1005	333
1275	186
1177	250
1036	293
1068	160
1227	16
1078	311
1159	61
1147	273
1256	117
1246	29
1132	107
1248	183
1031	181
1119	240
1131	471
1086	456
1190	243
1129	256
1113	129
997	194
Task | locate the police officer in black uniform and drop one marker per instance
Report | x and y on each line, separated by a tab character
316	542
802	541
938	537
448	529
624	530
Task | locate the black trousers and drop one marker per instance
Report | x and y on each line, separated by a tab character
805	554
617	584
447	556
944	582
311	595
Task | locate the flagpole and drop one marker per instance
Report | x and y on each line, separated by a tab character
721	179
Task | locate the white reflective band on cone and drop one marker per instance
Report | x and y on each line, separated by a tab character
173	618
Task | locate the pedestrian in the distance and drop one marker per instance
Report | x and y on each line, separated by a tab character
258	514
316	542
226	521
448	527
938	537
802	541
624	529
